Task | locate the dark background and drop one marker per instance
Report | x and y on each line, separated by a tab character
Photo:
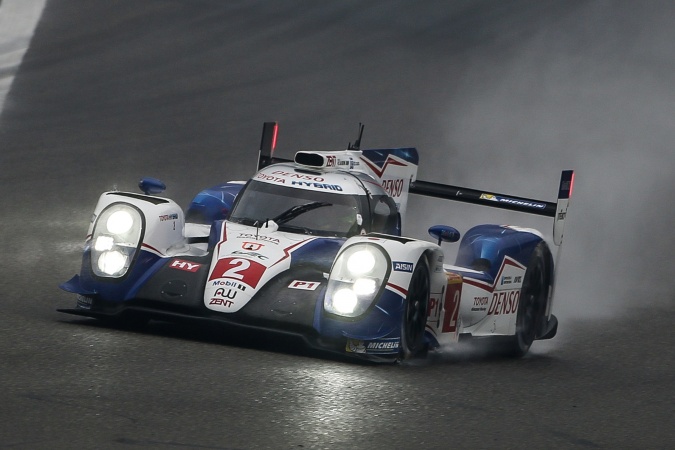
495	95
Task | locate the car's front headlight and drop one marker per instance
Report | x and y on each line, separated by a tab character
355	280
116	237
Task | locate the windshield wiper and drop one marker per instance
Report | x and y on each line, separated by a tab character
297	210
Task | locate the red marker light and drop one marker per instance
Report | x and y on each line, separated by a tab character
274	137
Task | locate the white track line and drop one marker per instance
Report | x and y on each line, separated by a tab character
18	19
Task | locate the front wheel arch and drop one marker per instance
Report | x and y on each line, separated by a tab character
414	317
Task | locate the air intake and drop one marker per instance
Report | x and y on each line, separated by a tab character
311	159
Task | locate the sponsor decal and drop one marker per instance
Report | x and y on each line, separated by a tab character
490	287
393	187
245	270
84	302
445	312
381	346
272	178
348	164
331	187
506	280
252	246
260	237
512	201
228	283
304	285
331	161
251	254
401	266
504	302
562	215
222	302
165	217
481	301
184	265
299	176
225	293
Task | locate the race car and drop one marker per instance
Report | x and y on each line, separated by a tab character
312	247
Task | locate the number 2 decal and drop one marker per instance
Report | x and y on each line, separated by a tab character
452	298
240	269
240	265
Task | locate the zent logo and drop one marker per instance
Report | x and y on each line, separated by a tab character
184	265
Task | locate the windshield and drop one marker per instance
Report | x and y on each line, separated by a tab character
298	210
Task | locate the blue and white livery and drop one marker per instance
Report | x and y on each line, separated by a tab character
313	248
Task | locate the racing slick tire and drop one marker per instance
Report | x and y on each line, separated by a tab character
415	312
532	304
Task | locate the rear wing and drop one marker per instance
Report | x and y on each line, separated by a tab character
556	210
376	161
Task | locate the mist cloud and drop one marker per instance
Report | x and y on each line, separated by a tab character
590	91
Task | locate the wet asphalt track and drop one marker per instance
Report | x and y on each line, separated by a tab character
494	94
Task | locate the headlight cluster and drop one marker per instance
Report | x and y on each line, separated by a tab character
115	240
357	275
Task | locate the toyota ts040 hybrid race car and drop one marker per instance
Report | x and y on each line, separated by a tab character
313	247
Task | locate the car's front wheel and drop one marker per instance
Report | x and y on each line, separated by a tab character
415	312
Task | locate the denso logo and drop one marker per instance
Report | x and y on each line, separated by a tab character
504	302
393	187
299	176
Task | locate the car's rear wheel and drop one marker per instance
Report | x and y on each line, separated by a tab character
415	312
532	304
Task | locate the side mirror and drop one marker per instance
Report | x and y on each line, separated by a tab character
444	233
151	186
